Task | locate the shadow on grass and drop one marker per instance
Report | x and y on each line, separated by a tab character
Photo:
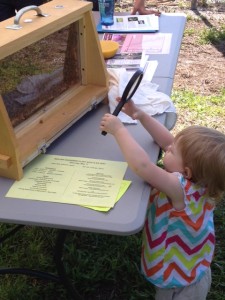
219	45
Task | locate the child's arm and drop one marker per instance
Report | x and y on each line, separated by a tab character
159	133
139	162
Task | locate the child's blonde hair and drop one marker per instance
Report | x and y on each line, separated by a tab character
203	151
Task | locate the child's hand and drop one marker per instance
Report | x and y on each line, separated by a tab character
110	124
130	109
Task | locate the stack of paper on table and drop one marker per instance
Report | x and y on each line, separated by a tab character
93	183
130	61
150	43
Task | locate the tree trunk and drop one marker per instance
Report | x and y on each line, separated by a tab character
194	4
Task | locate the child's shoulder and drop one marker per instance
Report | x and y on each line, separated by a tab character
193	192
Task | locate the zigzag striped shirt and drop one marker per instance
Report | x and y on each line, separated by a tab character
178	246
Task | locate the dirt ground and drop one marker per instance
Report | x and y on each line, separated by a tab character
200	67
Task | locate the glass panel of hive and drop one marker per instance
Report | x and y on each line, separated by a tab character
36	75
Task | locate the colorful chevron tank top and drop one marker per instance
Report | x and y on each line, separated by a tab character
178	246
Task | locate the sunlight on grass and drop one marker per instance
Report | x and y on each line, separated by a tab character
200	110
212	35
189	32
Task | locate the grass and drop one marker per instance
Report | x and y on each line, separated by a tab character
202	110
212	35
102	266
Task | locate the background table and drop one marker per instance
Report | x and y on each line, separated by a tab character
171	23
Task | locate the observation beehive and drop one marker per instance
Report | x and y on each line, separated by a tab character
51	73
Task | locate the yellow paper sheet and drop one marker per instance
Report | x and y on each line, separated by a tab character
73	180
124	186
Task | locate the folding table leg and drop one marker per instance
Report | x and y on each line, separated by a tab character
61	237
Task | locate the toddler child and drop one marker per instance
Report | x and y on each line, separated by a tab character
178	237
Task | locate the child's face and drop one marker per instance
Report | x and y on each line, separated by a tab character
172	159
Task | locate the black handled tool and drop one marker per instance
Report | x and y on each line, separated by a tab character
129	91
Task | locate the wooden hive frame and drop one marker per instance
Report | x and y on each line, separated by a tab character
20	144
